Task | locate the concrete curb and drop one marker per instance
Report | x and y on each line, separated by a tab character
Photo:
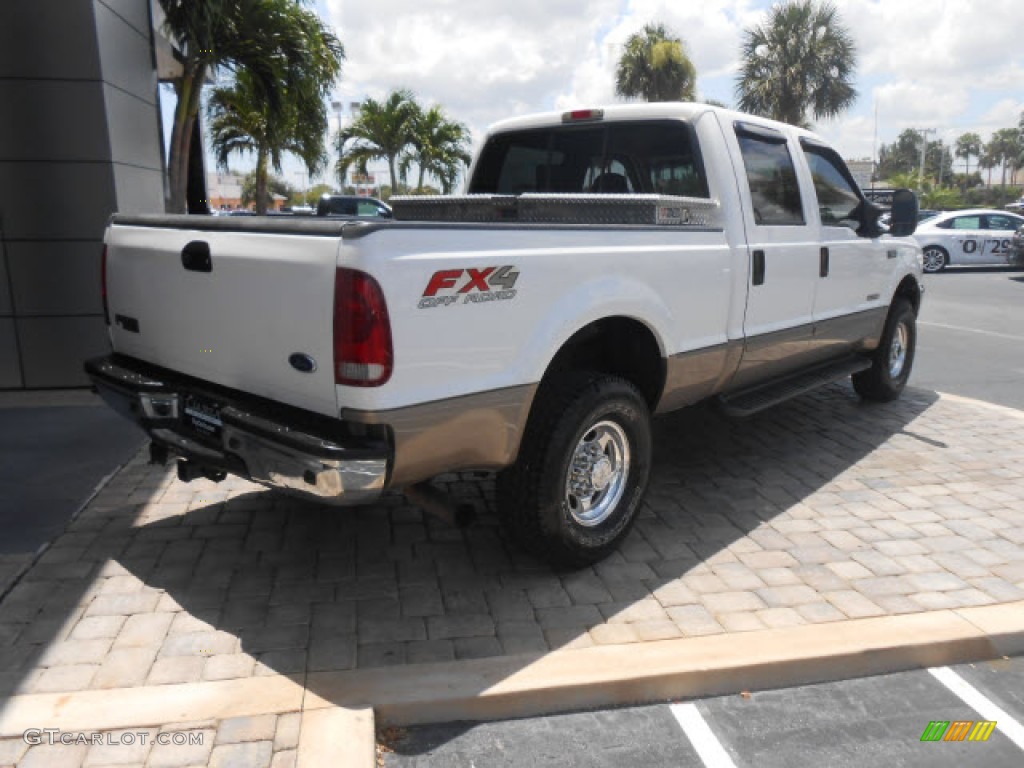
672	669
338	737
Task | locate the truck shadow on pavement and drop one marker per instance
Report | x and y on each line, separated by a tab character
736	530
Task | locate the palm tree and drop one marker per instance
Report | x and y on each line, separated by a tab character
241	121
988	160
800	62
968	145
654	66
439	147
1020	154
278	42
1005	148
381	131
1013	151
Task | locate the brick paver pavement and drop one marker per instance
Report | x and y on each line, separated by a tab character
266	741
820	510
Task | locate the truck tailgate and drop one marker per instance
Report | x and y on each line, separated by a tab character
264	298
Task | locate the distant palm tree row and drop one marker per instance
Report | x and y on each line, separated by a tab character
940	185
1005	150
284	63
397	130
401	132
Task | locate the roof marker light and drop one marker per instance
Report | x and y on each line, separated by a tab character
578	115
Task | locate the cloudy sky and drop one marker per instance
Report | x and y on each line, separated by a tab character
952	65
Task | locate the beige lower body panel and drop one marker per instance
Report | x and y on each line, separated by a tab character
692	376
860	331
736	365
479	431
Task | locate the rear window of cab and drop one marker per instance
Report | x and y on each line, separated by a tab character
649	157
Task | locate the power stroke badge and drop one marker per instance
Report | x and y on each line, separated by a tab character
469	286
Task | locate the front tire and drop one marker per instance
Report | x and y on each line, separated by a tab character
894	358
584	462
936	259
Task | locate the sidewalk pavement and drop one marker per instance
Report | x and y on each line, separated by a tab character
57	446
823	518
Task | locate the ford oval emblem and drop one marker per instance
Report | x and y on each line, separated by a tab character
302	362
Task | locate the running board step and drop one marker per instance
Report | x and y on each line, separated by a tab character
749	401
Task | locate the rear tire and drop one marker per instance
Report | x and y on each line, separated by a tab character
894	358
584	462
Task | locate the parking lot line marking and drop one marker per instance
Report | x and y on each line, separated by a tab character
710	749
1009	336
981	704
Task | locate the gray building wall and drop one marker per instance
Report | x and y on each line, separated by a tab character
79	140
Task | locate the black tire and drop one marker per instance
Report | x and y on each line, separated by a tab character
936	258
543	512
884	380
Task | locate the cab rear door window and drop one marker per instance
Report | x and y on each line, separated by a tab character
771	177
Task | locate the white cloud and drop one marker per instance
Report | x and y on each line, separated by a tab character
481	61
962	41
956	65
854	137
1003	114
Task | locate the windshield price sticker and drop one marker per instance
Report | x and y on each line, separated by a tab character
469	286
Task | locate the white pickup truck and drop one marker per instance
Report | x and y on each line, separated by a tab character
604	265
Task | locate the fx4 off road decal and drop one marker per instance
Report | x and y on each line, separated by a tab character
469	286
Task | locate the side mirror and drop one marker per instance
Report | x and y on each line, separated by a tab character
904	213
868	217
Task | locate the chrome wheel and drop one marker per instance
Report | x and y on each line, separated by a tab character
934	259
597	474
898	351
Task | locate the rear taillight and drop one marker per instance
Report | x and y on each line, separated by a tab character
363	355
103	285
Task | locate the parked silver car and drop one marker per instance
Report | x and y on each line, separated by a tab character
976	236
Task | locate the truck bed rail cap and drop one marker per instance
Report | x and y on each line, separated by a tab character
287	225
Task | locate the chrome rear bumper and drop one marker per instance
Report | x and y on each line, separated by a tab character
265	448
